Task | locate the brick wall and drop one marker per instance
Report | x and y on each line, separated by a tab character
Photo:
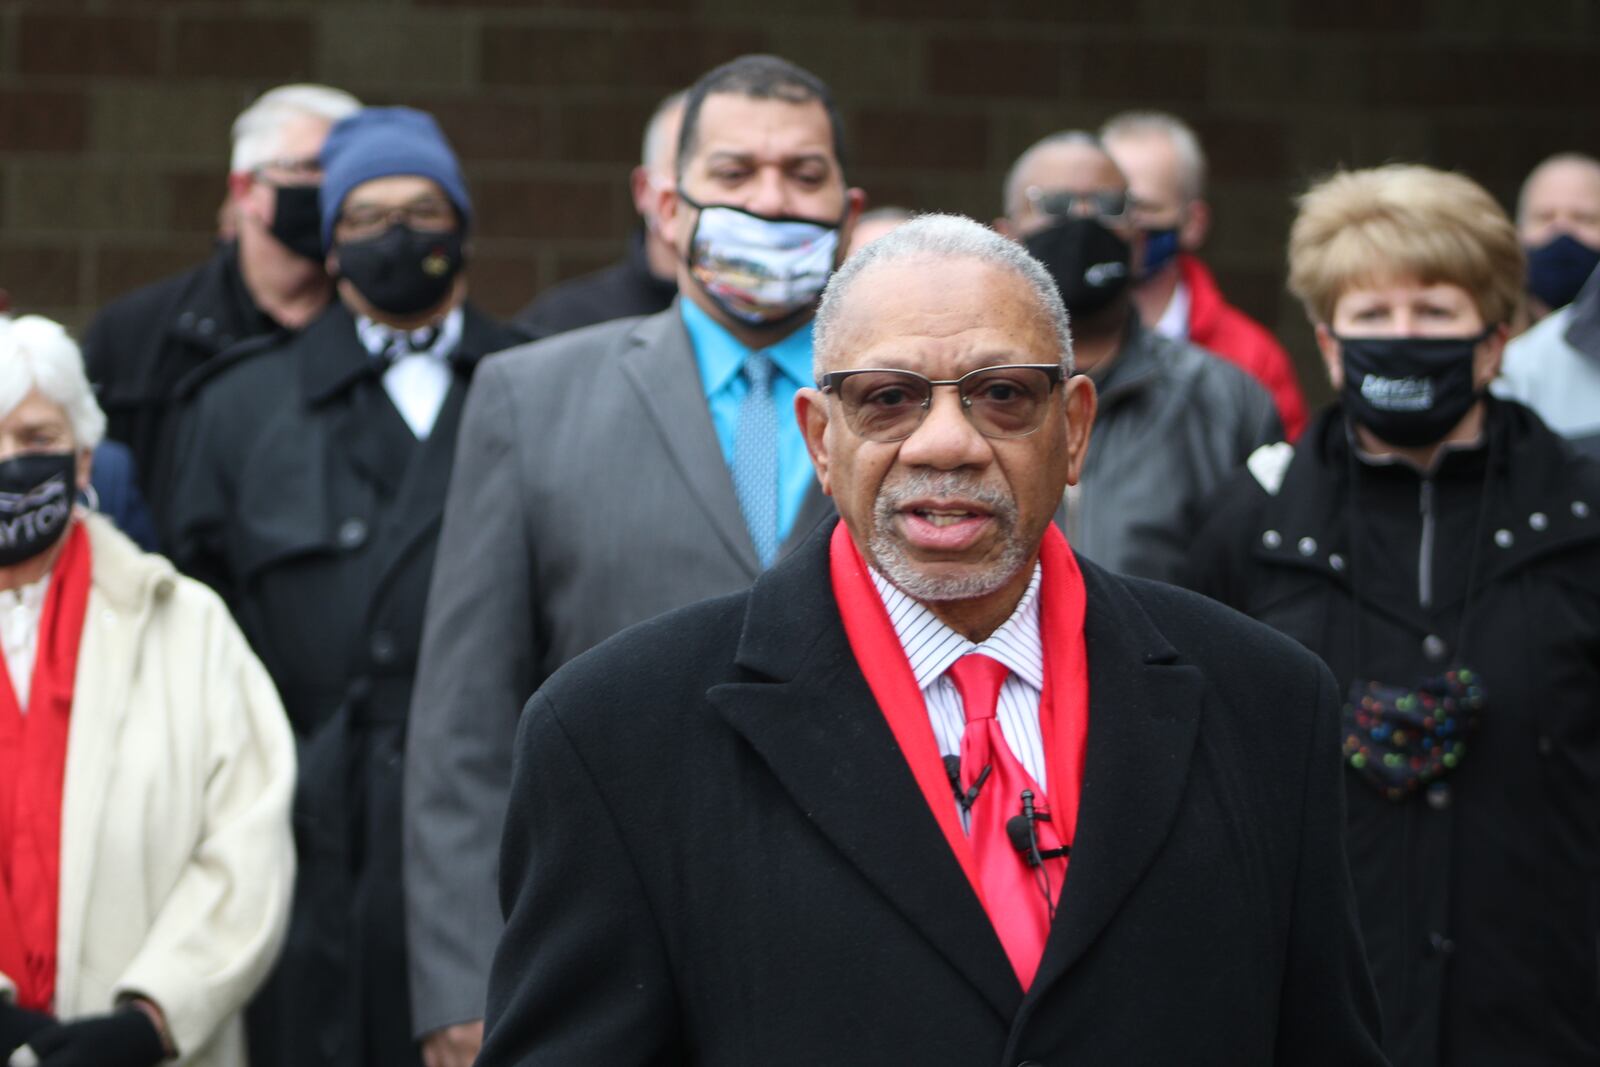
114	113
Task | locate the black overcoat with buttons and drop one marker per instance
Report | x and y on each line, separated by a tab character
1479	895
142	345
304	498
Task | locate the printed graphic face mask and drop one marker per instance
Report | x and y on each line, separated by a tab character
1409	391
1088	261
760	270
402	271
35	503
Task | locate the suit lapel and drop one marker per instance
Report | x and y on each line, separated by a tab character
660	365
1144	712
818	729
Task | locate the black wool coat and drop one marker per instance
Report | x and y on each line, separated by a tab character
142	346
1479	896
716	854
307	502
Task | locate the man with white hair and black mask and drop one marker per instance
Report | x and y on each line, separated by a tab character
935	790
268	281
645	281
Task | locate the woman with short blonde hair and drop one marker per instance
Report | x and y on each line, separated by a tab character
1440	549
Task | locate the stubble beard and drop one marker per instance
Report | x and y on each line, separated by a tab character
889	553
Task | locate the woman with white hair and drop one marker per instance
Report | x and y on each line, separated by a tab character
145	765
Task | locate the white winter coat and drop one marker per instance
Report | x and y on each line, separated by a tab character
177	860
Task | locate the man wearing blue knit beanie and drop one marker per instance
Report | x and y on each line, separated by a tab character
310	494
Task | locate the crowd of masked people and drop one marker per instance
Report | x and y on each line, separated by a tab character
251	798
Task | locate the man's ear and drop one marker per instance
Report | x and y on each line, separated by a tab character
1002	226
1082	401
671	212
811	412
1196	226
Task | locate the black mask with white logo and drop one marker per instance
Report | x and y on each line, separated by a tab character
402	271
1090	263
36	493
297	220
1409	391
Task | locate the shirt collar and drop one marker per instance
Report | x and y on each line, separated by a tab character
932	647
378	338
721	355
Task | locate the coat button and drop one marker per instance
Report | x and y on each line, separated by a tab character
1546	746
1336	561
1272	539
383	648
1504	539
1434	647
186	320
353	532
1440	945
1539	521
1307	546
206	326
1580	510
1439	796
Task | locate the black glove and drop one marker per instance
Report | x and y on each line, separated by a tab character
17	1025
125	1038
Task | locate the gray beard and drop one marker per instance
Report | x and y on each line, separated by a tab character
889	554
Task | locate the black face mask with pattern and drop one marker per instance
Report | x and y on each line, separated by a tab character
402	271
1409	391
36	492
1090	263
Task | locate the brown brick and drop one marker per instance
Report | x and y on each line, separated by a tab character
1143	70
235	47
901	137
664	58
576	262
1254	149
1000	68
122	268
541	208
38	121
196	199
487	128
367	47
1060	12
74	198
160	119
1373	16
36	276
1320	75
646	7
502	283
603	131
88	45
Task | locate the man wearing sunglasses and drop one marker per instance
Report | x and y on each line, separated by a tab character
615	473
267	280
1174	420
934	791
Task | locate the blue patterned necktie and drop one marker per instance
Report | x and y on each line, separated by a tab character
755	457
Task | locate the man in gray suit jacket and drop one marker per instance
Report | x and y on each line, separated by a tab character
611	474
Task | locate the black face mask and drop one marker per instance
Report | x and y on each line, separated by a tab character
1089	262
35	503
297	220
1409	391
402	271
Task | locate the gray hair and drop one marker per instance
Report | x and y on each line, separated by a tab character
1191	159
940	237
1013	191
36	353
1560	158
657	146
256	131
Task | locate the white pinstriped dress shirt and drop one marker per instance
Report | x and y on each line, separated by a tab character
932	647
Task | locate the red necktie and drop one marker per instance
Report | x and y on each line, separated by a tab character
1011	889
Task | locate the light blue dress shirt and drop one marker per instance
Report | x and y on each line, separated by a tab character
721	357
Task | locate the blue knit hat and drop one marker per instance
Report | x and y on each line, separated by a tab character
379	142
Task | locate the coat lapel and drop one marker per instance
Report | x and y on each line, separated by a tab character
660	365
818	729
1144	712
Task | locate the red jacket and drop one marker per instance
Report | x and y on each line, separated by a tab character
1224	329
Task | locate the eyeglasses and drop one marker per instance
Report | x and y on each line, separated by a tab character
368	220
889	405
1100	204
306	168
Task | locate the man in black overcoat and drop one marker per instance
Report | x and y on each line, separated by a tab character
759	830
312	485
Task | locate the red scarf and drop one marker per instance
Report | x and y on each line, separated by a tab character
1063	703
33	763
